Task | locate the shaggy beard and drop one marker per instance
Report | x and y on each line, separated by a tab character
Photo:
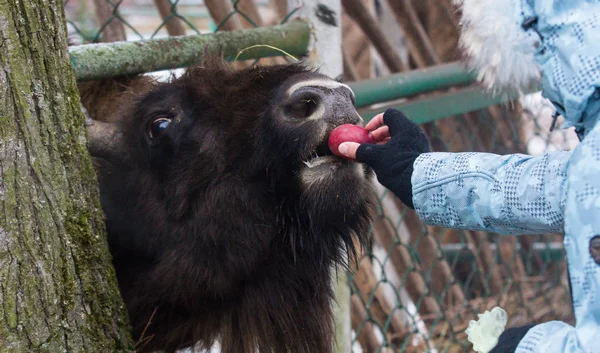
496	46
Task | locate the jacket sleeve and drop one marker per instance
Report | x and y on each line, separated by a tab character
513	194
556	337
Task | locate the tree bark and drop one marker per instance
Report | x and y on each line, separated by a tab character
58	290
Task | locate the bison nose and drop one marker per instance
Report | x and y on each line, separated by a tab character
334	105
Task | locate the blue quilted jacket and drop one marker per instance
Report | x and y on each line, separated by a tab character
513	43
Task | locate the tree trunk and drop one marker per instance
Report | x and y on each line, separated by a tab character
58	290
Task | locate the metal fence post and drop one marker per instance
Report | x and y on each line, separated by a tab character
325	53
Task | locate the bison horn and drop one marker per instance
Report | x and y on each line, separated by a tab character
104	139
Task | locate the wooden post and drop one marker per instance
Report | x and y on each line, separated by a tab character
280	7
113	30
248	9
359	13
174	24
220	11
416	37
357	47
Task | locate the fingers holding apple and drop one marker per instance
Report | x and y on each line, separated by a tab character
345	139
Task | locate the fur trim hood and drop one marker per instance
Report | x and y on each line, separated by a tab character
496	46
515	44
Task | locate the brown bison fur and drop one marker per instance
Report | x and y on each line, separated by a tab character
218	230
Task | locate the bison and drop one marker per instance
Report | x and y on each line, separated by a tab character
225	210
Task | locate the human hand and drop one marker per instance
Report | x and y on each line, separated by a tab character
399	143
378	131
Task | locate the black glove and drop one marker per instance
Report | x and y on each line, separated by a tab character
510	338
393	161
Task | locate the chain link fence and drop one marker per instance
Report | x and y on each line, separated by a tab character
417	288
94	21
99	20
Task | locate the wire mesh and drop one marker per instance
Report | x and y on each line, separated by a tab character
93	21
417	288
147	19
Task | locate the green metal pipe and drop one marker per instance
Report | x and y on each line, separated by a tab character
409	83
441	106
97	61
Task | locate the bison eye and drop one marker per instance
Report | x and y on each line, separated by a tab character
158	126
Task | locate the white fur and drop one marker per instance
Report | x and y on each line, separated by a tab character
322	170
325	83
496	46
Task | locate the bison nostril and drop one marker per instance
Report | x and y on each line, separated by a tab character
303	109
303	105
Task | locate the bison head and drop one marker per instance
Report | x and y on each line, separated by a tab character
226	212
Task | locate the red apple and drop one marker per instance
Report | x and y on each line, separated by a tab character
347	133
